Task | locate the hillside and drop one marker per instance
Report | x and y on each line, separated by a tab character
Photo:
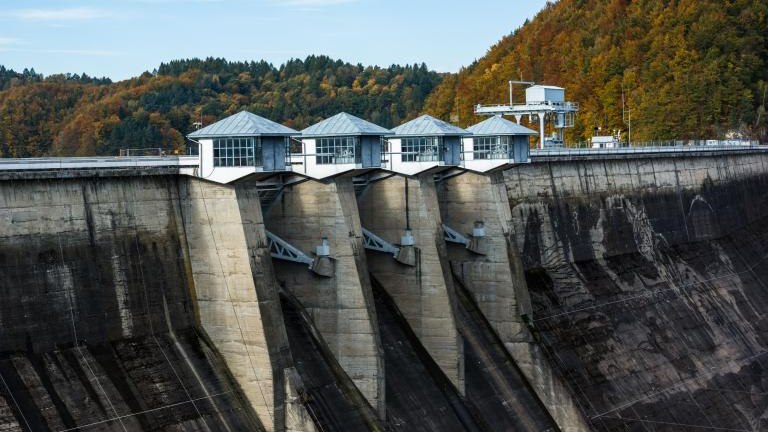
81	115
688	68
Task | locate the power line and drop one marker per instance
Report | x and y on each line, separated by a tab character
679	424
148	411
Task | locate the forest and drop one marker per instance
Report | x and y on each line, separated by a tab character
679	69
78	115
683	69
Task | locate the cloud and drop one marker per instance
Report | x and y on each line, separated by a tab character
5	41
69	14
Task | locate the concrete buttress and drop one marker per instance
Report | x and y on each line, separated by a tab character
497	284
236	295
341	306
423	293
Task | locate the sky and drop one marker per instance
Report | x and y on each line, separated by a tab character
123	38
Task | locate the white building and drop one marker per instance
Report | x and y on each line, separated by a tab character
607	141
337	145
544	94
496	142
422	144
240	145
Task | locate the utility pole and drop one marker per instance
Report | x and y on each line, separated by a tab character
626	116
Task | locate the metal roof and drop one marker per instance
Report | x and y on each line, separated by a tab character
498	125
428	125
550	87
243	124
344	124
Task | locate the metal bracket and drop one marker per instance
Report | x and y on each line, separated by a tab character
453	236
362	182
373	242
282	250
270	191
444	175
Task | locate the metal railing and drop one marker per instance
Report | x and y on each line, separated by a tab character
143	152
677	143
565	105
57	163
649	149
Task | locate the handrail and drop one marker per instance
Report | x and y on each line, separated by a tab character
47	163
569	151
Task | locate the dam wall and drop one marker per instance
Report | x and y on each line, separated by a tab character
609	294
647	285
495	278
98	320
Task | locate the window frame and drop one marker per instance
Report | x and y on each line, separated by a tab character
237	152
338	150
421	149
492	147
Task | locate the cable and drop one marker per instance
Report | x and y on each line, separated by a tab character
679	424
147	411
149	315
651	293
23	417
72	317
732	274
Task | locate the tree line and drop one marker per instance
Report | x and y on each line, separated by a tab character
81	115
684	69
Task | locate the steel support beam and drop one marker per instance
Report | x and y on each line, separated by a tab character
453	236
282	250
373	242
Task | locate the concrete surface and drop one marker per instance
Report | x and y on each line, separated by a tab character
341	307
424	292
647	285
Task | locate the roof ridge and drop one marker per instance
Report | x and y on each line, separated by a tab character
243	123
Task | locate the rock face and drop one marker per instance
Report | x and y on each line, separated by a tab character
647	281
96	321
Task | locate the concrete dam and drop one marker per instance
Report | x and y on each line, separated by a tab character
612	292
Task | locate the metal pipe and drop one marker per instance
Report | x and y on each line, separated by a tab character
407	209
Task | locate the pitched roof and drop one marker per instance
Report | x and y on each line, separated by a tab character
242	124
428	125
344	124
498	125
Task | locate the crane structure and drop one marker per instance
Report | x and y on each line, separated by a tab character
545	103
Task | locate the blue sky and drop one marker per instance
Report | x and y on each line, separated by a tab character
122	38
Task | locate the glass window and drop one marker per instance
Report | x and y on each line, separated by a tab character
236	152
384	149
421	149
295	146
492	147
337	150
